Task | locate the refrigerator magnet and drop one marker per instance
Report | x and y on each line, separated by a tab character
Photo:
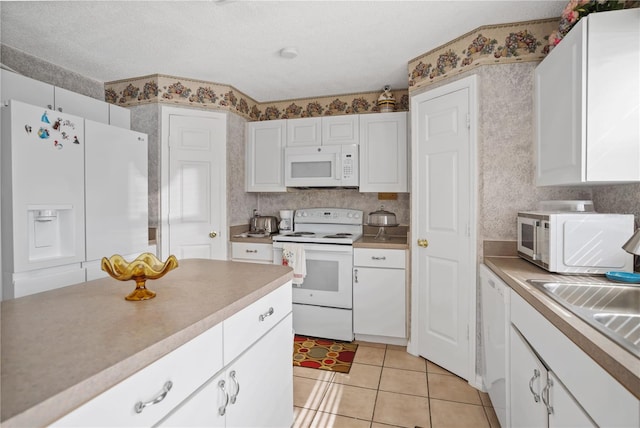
28	129
75	140
57	145
44	118
43	133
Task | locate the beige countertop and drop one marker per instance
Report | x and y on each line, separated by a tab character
392	243
618	362
63	347
397	238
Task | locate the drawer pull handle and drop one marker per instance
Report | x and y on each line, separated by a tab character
165	390
536	396
378	258
266	314
355	276
251	251
232	375
545	393
223	409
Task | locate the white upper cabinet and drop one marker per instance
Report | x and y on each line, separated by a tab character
383	152
81	105
265	156
304	132
329	130
30	91
34	92
119	116
587	95
341	129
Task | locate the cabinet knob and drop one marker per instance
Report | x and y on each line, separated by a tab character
213	234
423	243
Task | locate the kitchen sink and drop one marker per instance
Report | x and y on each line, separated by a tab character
612	309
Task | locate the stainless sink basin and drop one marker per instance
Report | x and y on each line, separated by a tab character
612	309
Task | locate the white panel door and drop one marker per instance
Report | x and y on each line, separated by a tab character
304	132
116	187
444	265
197	187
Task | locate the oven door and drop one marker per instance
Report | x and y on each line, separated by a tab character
329	275
316	166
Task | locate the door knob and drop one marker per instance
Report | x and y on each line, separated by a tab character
423	243
213	234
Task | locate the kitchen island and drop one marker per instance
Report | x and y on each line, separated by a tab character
63	347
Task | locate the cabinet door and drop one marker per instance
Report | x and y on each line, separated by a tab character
559	107
116	201
304	132
81	105
203	409
119	116
265	156
260	382
613	133
343	129
379	303
27	90
528	377
566	411
383	152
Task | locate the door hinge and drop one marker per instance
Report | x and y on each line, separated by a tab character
468	121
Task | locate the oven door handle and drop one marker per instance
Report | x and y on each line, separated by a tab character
321	248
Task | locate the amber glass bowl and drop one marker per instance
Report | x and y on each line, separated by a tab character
145	266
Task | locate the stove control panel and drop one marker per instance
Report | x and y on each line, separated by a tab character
329	216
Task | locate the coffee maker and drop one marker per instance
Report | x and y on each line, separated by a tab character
286	221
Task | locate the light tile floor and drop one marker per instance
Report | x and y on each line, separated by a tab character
387	387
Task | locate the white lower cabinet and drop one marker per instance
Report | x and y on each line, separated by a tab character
236	374
379	294
554	383
538	398
250	392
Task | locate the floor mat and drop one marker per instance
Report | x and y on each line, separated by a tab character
323	354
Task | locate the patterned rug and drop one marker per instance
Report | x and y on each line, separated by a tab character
323	354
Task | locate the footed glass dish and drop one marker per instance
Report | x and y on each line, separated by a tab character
145	266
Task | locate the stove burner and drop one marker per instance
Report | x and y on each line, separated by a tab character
300	234
339	235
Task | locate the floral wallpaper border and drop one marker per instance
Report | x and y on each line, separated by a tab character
158	88
490	44
493	44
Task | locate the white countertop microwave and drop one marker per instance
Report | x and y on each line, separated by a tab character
321	166
575	242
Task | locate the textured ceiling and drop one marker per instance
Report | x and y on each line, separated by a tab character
344	46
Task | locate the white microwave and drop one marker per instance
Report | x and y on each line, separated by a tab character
575	242
321	166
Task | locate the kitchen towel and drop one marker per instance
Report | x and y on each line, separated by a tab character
293	256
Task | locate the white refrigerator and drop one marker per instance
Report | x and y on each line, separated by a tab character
65	198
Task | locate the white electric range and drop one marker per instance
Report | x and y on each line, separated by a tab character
322	304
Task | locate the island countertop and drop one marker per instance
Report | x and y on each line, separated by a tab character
63	347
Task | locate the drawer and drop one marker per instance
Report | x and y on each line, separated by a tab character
251	323
246	251
372	257
187	367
